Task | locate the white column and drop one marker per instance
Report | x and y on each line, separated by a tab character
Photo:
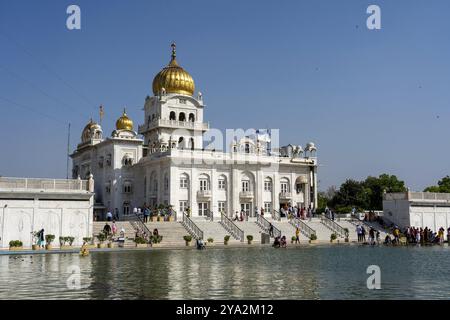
235	190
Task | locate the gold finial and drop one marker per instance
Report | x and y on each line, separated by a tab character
124	111
174	51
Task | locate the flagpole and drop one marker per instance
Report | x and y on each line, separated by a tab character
68	153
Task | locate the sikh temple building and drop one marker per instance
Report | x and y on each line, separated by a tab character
164	161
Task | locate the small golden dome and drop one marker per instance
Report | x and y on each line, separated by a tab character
124	123
173	78
89	130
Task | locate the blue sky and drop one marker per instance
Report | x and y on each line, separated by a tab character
372	101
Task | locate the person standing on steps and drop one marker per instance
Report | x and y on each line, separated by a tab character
297	235
271	229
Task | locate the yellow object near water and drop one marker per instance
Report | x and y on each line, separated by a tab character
84	252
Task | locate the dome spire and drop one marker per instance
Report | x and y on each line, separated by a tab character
173	60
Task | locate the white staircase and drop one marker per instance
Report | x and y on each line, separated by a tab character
126	225
287	229
213	229
250	228
172	232
322	232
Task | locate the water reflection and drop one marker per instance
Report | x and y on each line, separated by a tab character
337	272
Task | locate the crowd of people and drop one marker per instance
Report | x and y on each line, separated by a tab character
373	235
303	213
424	235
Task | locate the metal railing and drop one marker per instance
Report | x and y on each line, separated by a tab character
333	226
193	229
265	225
276	215
304	228
139	226
231	227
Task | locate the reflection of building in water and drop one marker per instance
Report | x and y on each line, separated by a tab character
165	162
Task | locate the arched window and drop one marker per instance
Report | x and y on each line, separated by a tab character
191	143
284	185
181	143
153	183
184	181
173	115
182	117
166	182
204	182
222	182
191	117
127	187
145	187
126	208
268	184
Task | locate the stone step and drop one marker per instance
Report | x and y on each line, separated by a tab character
215	230
288	230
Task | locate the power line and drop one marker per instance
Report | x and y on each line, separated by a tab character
44	66
34	110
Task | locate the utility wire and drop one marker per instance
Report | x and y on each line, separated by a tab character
48	69
11	102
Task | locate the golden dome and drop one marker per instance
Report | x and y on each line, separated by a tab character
89	129
173	78
124	123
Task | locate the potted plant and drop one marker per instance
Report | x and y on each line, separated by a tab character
293	239
187	239
140	242
15	245
210	241
249	239
333	237
155	240
110	244
35	237
48	240
226	239
89	243
101	238
313	238
346	234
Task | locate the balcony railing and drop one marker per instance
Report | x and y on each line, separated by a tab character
231	227
173	124
43	184
246	194
285	195
204	193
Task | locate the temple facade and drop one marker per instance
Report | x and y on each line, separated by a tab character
166	161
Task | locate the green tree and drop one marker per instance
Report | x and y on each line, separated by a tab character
377	186
443	186
352	193
367	194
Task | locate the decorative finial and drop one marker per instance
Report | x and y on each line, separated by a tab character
174	51
124	111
